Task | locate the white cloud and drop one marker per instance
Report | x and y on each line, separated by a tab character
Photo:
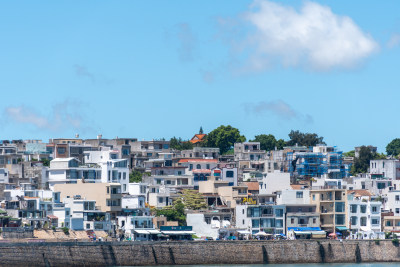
394	40
312	37
279	108
63	116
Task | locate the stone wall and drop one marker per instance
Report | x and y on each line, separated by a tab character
196	252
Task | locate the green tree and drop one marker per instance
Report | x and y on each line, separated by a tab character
176	212
179	144
267	142
135	176
350	153
304	139
46	162
224	137
393	148
361	164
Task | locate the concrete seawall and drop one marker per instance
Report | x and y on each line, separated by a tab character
201	252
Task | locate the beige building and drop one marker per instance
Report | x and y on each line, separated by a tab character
391	224
332	206
229	195
107	195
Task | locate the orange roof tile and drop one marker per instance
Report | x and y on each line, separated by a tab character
296	186
252	186
360	192
197	138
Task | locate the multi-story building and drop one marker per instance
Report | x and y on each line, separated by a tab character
301	216
365	217
332	206
388	168
266	218
107	195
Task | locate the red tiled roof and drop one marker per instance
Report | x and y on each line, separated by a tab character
197	138
360	192
252	186
296	186
197	160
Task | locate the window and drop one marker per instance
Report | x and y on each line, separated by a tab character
279	223
60	150
279	212
313	197
299	194
88	226
375	221
242	211
353	208
255	223
339	207
353	220
124	177
292	220
208	166
339	219
397	197
160	200
229	174
314	220
374	209
397	210
363	221
198	166
363	208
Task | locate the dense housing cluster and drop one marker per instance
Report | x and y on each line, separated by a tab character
147	190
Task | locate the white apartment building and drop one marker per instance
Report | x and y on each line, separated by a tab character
274	181
68	170
365	218
255	218
3	176
389	168
292	196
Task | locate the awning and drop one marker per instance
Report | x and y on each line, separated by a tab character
302	233
243	232
178	232
342	228
142	232
154	232
318	234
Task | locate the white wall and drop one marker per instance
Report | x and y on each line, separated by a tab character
200	227
292	197
275	181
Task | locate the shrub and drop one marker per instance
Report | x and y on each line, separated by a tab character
65	230
395	242
377	242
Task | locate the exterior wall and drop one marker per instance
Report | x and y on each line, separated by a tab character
363	216
92	191
3	176
328	202
200	227
293	197
276	181
393	202
272	222
389	168
199	253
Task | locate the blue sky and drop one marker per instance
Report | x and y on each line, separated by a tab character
153	69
